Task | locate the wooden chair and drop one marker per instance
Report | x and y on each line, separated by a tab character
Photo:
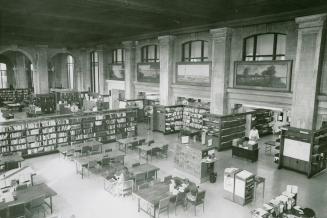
143	186
126	188
37	206
167	179
142	141
95	149
139	179
164	151
17	211
180	200
86	150
21	187
150	176
92	166
163	206
200	197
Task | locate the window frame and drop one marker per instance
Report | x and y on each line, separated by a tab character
114	58
254	55
3	84
145	54
194	59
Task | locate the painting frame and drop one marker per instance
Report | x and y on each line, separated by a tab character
111	75
191	81
268	69
155	78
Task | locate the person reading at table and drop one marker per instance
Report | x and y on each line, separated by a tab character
193	191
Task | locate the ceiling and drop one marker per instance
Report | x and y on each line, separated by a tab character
81	22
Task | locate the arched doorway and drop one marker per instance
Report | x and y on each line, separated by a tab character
16	70
61	71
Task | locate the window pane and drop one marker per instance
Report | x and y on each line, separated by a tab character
281	44
280	57
3	66
151	52
205	50
95	56
265	44
249	58
196	49
269	58
186	50
119	55
249	46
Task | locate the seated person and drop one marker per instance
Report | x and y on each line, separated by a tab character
193	191
123	176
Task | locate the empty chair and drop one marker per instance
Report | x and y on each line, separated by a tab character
92	166
167	179
95	149
143	186
86	150
21	187
180	200
139	179
163	206
126	188
17	210
151	175
105	162
200	197
164	151
136	164
38	206
142	141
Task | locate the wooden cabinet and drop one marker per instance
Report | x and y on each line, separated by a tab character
248	154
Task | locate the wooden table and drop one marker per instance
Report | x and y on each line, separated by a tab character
25	196
78	147
124	143
148	150
143	169
151	196
83	162
4	160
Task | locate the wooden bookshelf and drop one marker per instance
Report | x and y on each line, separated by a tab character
37	136
222	130
193	117
167	119
303	150
261	119
15	95
46	102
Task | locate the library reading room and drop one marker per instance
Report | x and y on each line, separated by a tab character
148	108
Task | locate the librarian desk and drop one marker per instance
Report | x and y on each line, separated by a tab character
146	150
248	154
25	196
152	197
9	162
83	162
128	142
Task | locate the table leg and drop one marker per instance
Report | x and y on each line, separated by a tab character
263	189
156	174
82	172
51	210
138	205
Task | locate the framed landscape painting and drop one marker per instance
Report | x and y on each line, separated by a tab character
263	75
193	73
148	72
116	72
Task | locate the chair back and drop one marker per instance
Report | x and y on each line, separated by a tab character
164	203
200	196
143	186
17	210
151	175
139	178
86	149
21	187
180	198
167	179
142	141
165	148
96	148
136	164
92	164
108	150
106	161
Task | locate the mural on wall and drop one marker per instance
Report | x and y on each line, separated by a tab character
148	72
193	73
263	75
116	72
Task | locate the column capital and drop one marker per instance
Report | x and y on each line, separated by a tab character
166	38
316	20
128	44
224	32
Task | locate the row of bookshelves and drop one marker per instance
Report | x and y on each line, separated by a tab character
15	95
37	133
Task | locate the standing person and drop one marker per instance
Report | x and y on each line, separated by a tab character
254	134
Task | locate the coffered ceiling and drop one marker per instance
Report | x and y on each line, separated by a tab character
81	22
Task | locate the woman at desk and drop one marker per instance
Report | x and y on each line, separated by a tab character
253	135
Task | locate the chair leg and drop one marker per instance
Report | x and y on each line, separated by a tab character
203	207
194	210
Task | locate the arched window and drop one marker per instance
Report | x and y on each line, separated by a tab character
261	47
95	72
70	71
118	56
3	76
149	53
195	51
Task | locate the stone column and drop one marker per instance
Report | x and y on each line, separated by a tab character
307	71
21	74
102	81
129	63
220	47
40	76
166	44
